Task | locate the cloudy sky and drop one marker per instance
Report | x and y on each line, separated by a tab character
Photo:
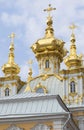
28	21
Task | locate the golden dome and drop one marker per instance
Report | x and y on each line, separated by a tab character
11	68
73	60
49	45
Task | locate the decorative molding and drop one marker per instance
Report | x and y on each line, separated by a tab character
73	94
45	77
72	71
27	118
40	127
47	69
40	86
14	84
48	75
9	78
7	86
14	127
80	76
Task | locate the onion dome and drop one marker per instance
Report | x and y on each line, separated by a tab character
49	45
73	60
11	68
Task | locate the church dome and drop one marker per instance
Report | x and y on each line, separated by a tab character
49	48
11	68
73	60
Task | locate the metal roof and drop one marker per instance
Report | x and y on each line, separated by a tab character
52	84
30	104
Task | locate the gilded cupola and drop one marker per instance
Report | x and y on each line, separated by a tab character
49	50
11	68
73	60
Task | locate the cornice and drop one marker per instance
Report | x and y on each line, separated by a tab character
28	98
33	117
8	78
72	71
12	78
77	108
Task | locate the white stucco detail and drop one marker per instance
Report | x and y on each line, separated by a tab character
14	127
54	65
77	98
58	124
41	127
12	88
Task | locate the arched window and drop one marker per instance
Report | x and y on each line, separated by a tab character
72	87
7	92
40	90
47	64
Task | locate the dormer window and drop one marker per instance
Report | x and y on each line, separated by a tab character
7	92
72	87
40	89
47	64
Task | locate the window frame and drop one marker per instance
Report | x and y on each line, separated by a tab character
7	91
47	64
72	87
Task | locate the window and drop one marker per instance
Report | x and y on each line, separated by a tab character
40	90
72	87
7	92
47	64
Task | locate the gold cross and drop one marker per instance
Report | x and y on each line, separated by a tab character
72	27
12	36
49	9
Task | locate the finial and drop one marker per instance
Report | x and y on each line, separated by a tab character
49	9
49	32
12	36
73	60
28	88
11	48
11	68
72	27
30	62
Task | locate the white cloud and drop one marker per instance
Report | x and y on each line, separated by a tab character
11	19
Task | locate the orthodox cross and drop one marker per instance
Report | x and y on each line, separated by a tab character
12	36
49	9
72	27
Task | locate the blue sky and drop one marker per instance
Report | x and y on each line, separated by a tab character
28	21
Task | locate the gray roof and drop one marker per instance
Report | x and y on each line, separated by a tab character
33	106
30	104
53	84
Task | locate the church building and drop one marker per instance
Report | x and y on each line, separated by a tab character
52	100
